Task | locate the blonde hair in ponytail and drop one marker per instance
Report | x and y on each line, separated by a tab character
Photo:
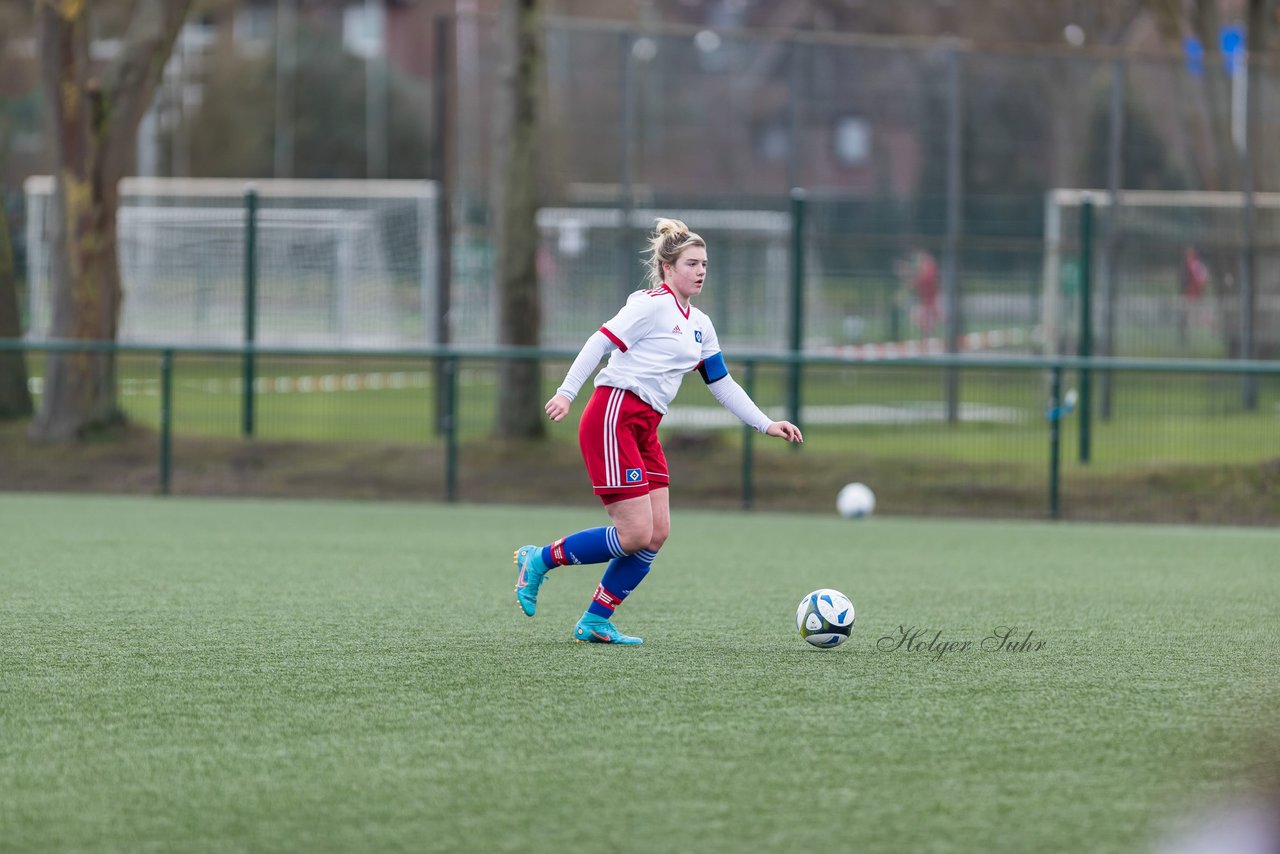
670	237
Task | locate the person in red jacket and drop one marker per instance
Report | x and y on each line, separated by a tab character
927	313
1195	278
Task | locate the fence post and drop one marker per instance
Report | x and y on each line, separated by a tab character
1111	233
1055	439
1085	347
449	420
627	267
166	419
798	205
250	305
445	139
1245	88
748	442
795	111
954	225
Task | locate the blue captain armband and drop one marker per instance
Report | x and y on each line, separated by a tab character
712	368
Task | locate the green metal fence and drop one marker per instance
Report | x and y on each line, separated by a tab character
1177	443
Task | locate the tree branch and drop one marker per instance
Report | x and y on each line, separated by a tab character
1261	14
133	78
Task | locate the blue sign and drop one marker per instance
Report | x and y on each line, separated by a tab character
1231	42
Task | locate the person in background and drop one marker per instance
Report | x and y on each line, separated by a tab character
1195	277
927	314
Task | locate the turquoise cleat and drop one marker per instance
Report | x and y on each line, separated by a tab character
529	578
593	629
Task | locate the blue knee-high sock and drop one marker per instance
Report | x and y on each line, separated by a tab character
594	545
623	576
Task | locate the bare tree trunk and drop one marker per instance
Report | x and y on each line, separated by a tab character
93	127
519	308
1221	170
15	397
1262	18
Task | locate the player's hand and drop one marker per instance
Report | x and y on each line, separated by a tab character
785	430
558	407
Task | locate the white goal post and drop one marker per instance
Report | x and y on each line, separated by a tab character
339	263
1149	231
354	264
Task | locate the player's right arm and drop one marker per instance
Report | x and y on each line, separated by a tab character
624	328
597	347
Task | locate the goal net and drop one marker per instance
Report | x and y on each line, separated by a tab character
1166	267
354	264
339	263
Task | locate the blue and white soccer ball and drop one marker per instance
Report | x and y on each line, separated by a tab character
825	618
855	500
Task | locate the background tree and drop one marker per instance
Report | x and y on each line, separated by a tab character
15	397
230	133
93	121
515	203
1145	161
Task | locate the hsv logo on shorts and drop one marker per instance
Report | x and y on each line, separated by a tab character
633	475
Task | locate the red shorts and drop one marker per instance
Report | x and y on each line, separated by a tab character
618	435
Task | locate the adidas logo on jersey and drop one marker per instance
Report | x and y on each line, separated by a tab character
676	331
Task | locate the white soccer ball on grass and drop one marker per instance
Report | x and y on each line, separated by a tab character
825	618
855	500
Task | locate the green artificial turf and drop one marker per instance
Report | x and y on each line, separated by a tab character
200	675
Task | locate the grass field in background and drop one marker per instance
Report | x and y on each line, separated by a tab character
247	675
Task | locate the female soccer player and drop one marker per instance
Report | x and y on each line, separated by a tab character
655	340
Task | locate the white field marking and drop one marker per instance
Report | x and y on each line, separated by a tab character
683	417
150	387
992	339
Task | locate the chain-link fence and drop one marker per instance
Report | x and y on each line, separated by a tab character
941	182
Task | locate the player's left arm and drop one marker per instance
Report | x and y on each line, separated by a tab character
734	398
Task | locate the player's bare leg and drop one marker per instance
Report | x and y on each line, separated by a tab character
633	517
660	511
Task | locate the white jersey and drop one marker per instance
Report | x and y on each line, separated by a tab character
658	343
